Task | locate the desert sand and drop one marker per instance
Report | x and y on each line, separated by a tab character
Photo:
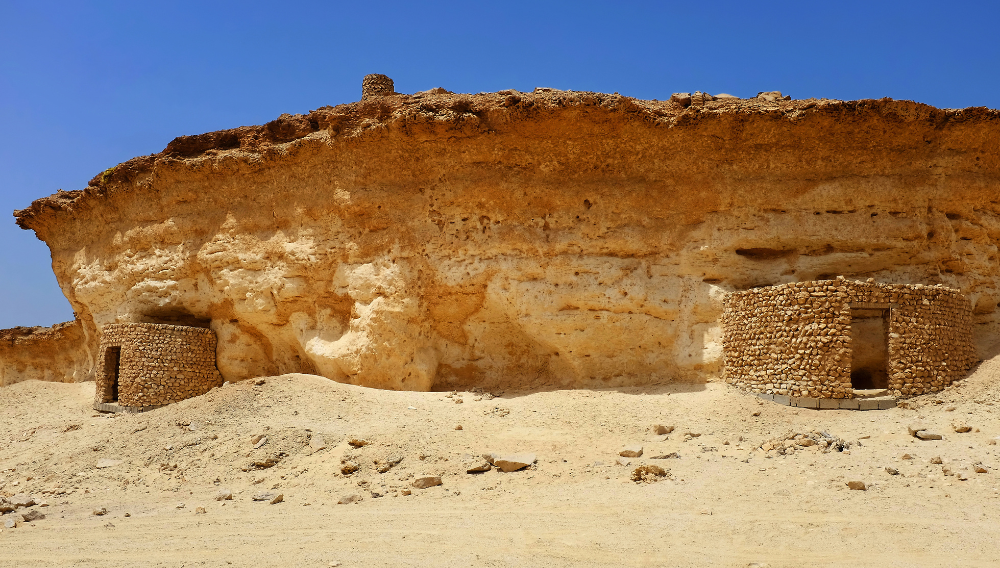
724	501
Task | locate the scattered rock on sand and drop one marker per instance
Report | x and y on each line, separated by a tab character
648	473
477	465
388	463
277	499
349	499
670	456
634	451
961	427
978	467
458	426
926	435
426	481
22	500
513	462
348	467
907	457
100	512
224	495
263	496
11	521
914	428
357	442
661	430
937	460
892	471
200	511
317	443
857	485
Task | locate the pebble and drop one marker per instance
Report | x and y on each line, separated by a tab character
907	457
477	465
277	499
925	435
980	468
200	511
892	471
961	427
936	460
513	462
349	499
224	495
634	451
317	443
426	481
458	427
357	443
100	512
263	496
857	485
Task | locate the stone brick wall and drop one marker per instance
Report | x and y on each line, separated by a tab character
376	85
795	339
158	364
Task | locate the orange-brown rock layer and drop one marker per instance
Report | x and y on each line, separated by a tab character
524	239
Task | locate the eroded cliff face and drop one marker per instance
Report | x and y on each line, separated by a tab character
513	240
58	354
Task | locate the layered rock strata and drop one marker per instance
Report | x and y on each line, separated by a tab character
796	339
143	364
59	354
512	239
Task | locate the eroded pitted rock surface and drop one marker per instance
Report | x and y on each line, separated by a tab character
524	239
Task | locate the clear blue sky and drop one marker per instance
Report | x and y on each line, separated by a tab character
87	85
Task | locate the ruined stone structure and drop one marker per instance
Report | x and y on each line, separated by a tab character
827	338
376	85
144	365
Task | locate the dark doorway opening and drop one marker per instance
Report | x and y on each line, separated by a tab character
112	364
869	349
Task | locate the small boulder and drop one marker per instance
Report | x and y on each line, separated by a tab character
857	486
892	471
388	463
926	435
914	428
513	462
264	496
349	499
662	430
100	512
491	457
22	500
634	451
277	499
357	442
907	457
11	521
477	465
978	467
348	467
426	481
224	495
961	427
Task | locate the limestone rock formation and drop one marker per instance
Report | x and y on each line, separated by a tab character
58	353
555	238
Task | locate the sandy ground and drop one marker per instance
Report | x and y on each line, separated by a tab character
724	502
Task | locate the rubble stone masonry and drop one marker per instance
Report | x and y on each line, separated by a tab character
155	364
795	339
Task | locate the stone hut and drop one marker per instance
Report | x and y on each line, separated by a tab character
830	338
146	365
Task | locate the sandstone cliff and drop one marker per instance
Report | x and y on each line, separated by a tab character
524	239
58	354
